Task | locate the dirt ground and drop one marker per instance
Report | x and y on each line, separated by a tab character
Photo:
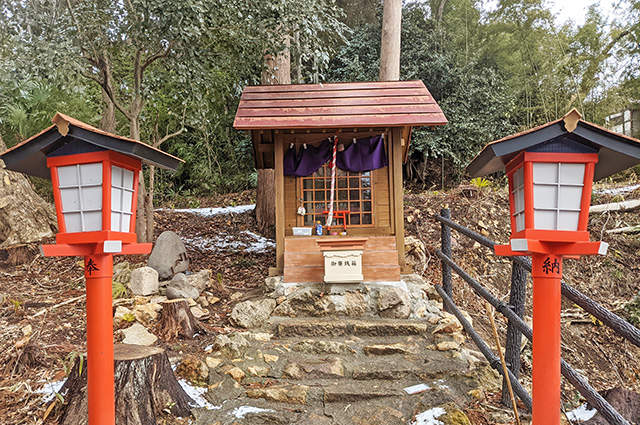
40	336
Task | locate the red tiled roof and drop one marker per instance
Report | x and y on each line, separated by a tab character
335	105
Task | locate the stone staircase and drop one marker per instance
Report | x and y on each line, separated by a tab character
339	370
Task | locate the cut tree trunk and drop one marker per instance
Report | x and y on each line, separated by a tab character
24	216
144	386
266	199
177	321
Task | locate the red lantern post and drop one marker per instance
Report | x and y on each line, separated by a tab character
551	170
95	182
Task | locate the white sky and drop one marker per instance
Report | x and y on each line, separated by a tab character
576	9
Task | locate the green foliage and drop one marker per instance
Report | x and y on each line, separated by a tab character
480	182
632	311
118	290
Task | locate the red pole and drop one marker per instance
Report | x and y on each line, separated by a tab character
98	271
547	274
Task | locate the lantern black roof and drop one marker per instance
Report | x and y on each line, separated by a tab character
570	133
67	136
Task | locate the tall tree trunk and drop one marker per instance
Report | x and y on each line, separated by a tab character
108	121
277	70
390	44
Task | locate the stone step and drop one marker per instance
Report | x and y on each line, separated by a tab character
354	391
315	327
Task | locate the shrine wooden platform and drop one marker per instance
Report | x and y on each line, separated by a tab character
304	262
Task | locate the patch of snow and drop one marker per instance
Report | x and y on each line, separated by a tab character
261	244
415	389
225	241
242	411
49	390
207	212
581	414
197	394
429	417
617	190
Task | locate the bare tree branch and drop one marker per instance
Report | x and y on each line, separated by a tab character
161	53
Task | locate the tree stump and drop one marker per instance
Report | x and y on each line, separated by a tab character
177	321
144	386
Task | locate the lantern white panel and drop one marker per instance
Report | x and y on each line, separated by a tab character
568	220
570	197
116	199
116	220
545	196
121	199
73	222
91	198
125	226
127	198
116	176
91	174
519	222
127	181
68	175
70	199
545	219
545	172
572	174
92	221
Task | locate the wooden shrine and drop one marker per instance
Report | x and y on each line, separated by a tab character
368	203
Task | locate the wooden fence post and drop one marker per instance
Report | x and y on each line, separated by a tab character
514	336
445	235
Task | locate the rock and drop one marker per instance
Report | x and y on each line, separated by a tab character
122	272
233	371
251	314
169	255
27	330
271	283
137	334
236	296
193	369
323	347
222	390
200	280
179	287
293	394
122	316
231	346
261	371
453	416
415	253
448	324
354	305
293	371
624	401
447	346
326	370
394	303
144	281
213	362
147	313
387	349
270	358
199	313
